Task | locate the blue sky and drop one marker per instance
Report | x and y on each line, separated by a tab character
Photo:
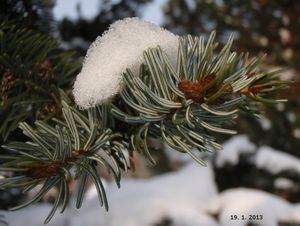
151	12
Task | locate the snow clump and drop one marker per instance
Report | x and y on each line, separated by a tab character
119	48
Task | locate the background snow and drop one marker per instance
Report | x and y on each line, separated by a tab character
267	158
187	197
276	161
244	201
283	183
163	195
110	55
140	202
232	149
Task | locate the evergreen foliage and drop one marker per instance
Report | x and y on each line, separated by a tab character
32	69
184	106
30	14
78	142
259	26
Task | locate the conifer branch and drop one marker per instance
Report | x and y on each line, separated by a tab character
78	142
184	105
32	69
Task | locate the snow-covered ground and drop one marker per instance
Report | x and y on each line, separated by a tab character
180	196
264	208
187	197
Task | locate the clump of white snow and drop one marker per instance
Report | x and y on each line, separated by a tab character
232	149
119	48
275	161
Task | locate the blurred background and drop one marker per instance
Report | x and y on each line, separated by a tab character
261	167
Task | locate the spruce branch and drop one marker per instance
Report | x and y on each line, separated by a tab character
186	105
32	69
79	142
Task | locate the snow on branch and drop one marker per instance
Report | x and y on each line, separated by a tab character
276	161
119	48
